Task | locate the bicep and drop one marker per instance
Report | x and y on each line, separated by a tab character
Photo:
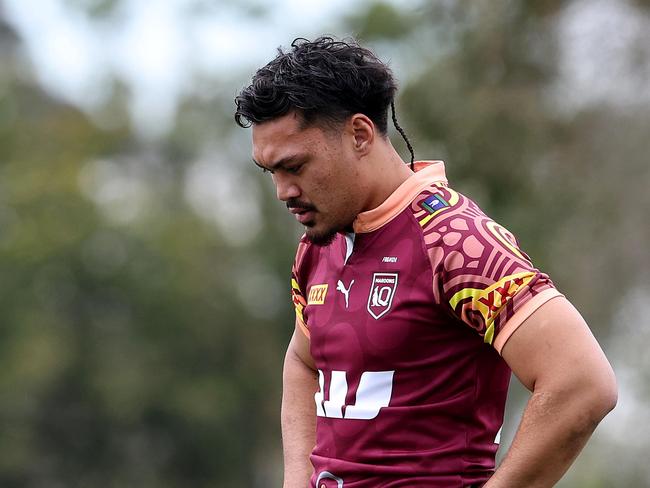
554	348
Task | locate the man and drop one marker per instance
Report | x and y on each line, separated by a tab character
412	306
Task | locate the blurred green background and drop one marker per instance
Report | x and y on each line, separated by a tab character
144	261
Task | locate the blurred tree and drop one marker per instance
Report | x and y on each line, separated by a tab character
381	21
130	355
144	305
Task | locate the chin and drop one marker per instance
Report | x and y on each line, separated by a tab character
320	238
322	234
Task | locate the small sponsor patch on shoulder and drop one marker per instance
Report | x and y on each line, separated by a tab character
434	203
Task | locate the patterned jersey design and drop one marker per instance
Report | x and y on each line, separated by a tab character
406	335
479	269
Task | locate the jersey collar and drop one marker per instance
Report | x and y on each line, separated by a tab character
426	173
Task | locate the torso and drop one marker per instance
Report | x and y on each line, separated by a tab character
410	395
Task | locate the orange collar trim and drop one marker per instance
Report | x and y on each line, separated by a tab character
426	173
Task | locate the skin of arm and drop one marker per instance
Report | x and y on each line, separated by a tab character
298	415
554	355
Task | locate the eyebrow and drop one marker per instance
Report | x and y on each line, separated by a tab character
279	163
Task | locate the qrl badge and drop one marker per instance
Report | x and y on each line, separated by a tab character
382	292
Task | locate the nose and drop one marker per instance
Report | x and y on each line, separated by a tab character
285	188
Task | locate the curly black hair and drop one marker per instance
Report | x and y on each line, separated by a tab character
326	81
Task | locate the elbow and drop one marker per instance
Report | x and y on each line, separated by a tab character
603	396
609	393
609	397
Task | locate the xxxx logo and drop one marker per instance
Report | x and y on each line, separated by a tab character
490	301
317	295
496	298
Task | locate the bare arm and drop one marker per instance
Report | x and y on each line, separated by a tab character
300	382
554	354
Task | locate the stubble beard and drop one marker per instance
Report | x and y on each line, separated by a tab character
321	239
325	237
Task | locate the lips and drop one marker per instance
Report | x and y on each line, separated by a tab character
303	215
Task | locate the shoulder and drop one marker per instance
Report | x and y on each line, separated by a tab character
308	255
301	250
478	267
455	228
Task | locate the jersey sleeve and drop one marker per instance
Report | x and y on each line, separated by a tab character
297	296
479	272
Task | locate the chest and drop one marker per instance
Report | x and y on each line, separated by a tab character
370	303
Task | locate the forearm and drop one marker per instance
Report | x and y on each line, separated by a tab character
298	420
553	430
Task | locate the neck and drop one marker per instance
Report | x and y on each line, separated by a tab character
387	172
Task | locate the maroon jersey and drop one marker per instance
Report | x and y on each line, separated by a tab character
406	319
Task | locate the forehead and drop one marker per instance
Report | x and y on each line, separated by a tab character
279	137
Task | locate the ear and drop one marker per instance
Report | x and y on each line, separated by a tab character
363	132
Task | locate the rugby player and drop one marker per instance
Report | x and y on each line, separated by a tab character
412	305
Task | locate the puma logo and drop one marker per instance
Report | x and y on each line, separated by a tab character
346	292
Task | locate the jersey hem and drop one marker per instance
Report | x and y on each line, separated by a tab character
522	314
303	328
